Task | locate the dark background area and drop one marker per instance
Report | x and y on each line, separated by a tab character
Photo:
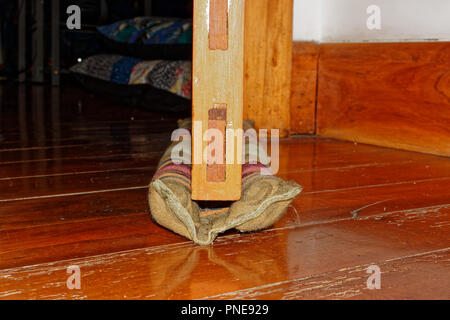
81	43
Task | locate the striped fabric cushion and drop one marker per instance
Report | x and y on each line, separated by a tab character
264	200
181	173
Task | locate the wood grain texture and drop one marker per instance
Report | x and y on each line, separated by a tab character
61	184
61	226
151	143
268	61
351	283
324	167
388	94
218	25
184	271
217	79
361	205
305	59
77	165
217	171
255	55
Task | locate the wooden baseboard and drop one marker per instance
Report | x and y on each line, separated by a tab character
388	94
305	56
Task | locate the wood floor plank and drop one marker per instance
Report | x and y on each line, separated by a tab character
83	213
81	238
68	128
43	138
70	102
306	157
44	183
370	174
78	169
236	262
20	171
401	278
50	186
157	143
31	214
43	157
319	206
333	195
94	139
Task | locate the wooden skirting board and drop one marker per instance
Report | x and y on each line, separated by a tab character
388	94
305	58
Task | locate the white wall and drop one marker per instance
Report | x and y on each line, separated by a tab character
307	17
345	20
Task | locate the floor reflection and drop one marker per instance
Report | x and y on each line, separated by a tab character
187	272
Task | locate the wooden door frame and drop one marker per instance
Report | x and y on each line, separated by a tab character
268	64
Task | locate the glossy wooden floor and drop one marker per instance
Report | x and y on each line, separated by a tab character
74	171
